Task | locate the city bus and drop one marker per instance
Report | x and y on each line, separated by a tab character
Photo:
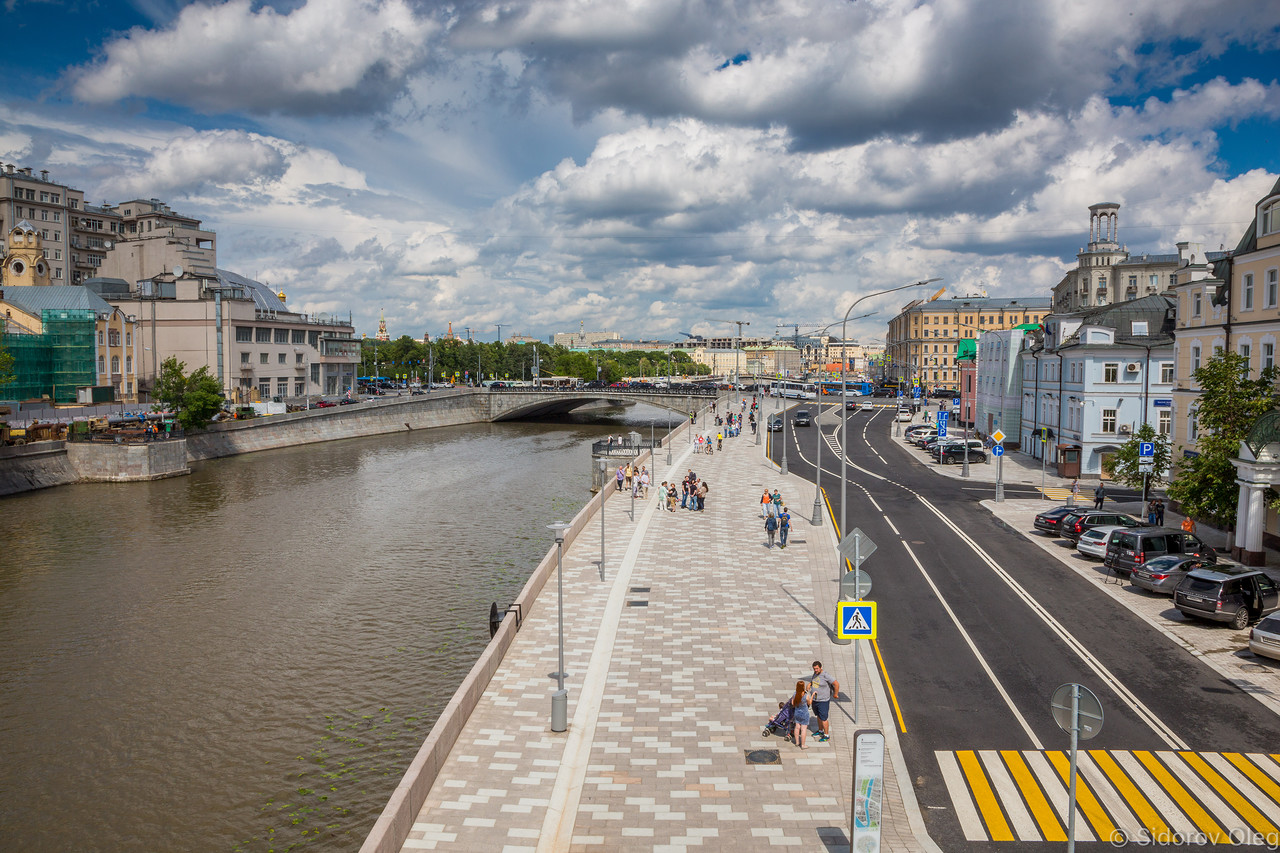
795	390
857	388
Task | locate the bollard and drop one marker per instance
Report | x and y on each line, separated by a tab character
559	710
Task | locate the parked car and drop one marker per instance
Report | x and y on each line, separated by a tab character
975	446
1225	594
954	454
1163	574
1134	547
1078	522
774	423
802	417
904	416
322	404
1093	542
916	430
924	438
1264	638
1049	520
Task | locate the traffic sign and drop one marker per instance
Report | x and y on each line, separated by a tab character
956	402
997	450
1147	449
942	423
855	547
855	586
1146	467
915	392
997	437
856	620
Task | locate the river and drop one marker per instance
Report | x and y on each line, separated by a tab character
247	658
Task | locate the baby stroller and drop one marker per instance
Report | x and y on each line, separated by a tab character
780	723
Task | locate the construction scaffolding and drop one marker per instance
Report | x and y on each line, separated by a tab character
55	362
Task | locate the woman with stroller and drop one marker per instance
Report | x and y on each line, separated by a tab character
800	714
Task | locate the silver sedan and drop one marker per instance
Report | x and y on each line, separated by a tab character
1093	542
1264	638
1163	574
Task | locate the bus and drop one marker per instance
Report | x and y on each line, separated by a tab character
795	390
857	388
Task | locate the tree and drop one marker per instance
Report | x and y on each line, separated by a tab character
195	398
1229	404
1123	464
6	366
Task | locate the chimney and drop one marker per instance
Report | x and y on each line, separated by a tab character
44	174
10	168
26	171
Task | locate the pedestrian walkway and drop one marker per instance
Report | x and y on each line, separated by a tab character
676	654
1121	795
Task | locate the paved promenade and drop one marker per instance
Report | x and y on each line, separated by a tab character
676	655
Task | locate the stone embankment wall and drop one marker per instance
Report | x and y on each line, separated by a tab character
35	466
128	463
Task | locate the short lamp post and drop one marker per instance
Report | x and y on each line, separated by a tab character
560	699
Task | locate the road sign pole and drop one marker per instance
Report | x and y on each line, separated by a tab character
857	656
1071	794
1000	478
1044	450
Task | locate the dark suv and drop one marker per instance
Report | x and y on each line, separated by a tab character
1075	524
802	418
1129	548
1231	595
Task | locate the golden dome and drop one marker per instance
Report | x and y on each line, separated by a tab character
281	295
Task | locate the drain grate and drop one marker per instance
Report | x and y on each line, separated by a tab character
637	604
763	756
639	589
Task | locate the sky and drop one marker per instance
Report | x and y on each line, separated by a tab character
652	167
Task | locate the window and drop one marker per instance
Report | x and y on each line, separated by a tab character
102	364
263	358
244	334
1111	372
1270	219
57	272
56	198
1153	282
244	358
1138	328
282	336
315	374
1164	422
1193	426
1273	289
1268	356
128	364
1197	301
115	364
1246	292
282	387
1166	372
1133	283
1246	350
101	337
1109	420
297	358
313	340
113	338
1195	357
283	359
264	388
299	388
262	336
299	336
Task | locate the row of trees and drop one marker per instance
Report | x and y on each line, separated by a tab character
462	360
1230	402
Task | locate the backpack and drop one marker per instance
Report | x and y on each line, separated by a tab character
771	524
786	520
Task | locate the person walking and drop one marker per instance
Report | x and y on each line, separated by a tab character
644	481
770	530
784	527
1075	492
1160	512
702	495
1151	512
1188	525
621	475
800	714
822	688
1099	495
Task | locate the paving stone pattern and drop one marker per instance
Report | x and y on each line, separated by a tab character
694	636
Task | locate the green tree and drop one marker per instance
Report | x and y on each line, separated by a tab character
195	398
1123	464
1229	404
6	365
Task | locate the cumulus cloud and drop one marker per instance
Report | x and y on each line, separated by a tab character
326	56
223	158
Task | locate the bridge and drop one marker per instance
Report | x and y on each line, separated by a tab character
509	403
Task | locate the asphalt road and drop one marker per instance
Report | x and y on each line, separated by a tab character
978	627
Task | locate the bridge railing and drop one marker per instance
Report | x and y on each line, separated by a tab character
652	392
623	447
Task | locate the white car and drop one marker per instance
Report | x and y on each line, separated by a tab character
1093	542
904	416
1264	638
866	407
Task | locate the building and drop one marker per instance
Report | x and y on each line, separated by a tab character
773	360
923	340
1095	377
47	206
239	329
582	339
998	380
153	242
1106	273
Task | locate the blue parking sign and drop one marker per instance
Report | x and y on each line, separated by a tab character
1147	448
942	423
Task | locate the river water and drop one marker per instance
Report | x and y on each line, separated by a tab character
247	658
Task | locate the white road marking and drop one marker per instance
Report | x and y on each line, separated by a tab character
966	812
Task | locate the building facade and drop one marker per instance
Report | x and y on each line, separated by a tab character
923	340
998	381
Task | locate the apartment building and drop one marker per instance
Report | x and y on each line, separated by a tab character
922	343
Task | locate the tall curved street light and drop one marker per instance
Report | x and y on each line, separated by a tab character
844	419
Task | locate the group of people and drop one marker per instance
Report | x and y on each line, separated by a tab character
812	699
634	479
692	493
1155	512
777	520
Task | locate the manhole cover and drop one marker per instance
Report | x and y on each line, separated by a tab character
1255	667
637	604
639	589
764	756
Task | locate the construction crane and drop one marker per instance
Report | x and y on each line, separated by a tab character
737	348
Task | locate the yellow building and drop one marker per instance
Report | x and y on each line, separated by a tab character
922	340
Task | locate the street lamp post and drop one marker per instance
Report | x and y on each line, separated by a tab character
560	699
844	390
635	442
604	468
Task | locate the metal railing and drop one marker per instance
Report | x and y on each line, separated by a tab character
623	447
607	392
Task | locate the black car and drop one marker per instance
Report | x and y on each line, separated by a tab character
1050	520
1073	525
884	392
802	418
1227	594
1127	549
954	455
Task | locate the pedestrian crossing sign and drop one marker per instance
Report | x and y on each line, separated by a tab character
856	620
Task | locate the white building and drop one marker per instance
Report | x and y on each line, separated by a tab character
999	382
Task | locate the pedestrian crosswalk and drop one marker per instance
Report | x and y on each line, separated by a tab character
1056	493
1121	795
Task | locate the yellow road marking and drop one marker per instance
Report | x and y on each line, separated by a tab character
1256	776
1085	798
1050	828
997	827
1242	806
1132	796
1185	801
893	697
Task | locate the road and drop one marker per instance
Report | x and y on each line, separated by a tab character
977	630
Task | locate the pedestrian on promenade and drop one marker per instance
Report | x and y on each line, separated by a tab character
823	688
720	441
784	527
800	714
1075	491
628	471
1160	512
771	508
684	493
621	475
765	500
1099	495
644	481
1151	512
1188	525
770	530
671	497
702	495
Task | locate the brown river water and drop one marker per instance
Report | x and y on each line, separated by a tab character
247	658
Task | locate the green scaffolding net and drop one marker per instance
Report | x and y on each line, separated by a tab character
55	362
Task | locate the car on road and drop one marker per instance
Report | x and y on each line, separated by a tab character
867	407
1093	542
1264	638
953	454
1049	520
323	404
774	424
802	417
975	446
1131	548
943	393
1163	574
1081	520
884	392
1230	594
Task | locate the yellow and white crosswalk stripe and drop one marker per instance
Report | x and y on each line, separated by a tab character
1057	493
1010	795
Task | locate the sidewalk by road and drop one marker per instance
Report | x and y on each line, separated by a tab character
676	656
